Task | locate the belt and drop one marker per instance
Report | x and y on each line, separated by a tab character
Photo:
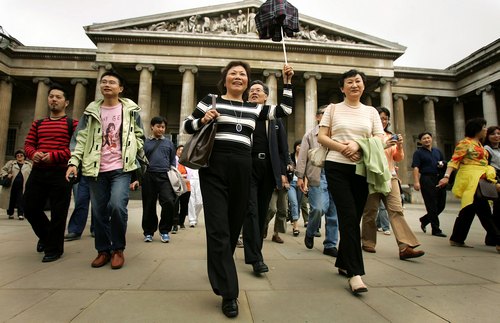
259	155
430	174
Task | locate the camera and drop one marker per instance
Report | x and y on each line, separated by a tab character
395	137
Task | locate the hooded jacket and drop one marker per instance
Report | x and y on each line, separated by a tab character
88	138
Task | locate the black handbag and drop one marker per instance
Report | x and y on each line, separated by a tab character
5	181
486	190
198	148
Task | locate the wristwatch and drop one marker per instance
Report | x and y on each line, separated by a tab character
446	176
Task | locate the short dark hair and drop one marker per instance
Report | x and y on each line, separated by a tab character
222	81
474	126
351	73
321	109
295	144
121	81
490	131
158	120
420	135
264	86
384	110
57	86
20	151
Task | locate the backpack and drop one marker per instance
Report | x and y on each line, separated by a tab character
68	120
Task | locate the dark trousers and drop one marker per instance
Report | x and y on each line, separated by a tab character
156	186
181	208
225	188
465	217
261	189
434	199
48	185
490	240
78	218
349	192
16	196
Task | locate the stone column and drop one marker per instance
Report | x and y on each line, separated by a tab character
187	96
41	97
368	100
272	83
5	105
299	113
155	103
489	105
386	94
399	127
430	117
145	91
80	97
101	69
459	120
311	99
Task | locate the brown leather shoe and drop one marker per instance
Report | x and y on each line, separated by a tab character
409	252
101	259
277	239
369	249
117	259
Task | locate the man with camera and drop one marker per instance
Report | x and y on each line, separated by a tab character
405	238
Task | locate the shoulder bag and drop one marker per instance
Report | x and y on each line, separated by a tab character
198	148
177	181
317	155
486	190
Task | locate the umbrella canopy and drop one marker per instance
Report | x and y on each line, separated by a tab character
274	15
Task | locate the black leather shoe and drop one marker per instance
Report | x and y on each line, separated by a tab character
439	234
50	258
333	252
260	267
309	242
230	307
40	247
72	236
422	226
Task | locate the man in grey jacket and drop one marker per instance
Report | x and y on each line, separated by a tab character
312	181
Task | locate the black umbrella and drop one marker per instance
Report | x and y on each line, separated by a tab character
276	18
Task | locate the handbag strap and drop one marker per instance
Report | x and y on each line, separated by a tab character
157	144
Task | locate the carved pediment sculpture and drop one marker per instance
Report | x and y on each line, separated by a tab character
239	22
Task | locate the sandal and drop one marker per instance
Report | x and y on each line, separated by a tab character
296	232
357	285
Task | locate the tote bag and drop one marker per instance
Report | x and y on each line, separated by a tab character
317	155
198	148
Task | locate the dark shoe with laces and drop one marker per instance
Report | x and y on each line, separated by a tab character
422	226
439	234
309	241
409	252
260	267
102	258
230	307
72	236
333	252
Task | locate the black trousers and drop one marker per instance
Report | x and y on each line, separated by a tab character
261	189
225	187
490	240
349	192
434	199
181	207
156	186
51	185
465	217
16	196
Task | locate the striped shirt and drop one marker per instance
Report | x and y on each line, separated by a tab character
50	136
351	123
236	115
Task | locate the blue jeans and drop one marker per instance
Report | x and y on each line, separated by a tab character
382	218
78	218
321	202
294	198
109	194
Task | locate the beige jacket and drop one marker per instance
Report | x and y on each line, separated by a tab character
11	167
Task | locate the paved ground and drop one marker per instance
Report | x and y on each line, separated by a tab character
168	282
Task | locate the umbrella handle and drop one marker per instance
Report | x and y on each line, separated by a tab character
283	42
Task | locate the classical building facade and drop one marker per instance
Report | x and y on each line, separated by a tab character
171	60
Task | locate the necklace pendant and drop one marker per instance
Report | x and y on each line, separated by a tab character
239	127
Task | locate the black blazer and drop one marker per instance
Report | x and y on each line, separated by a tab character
278	149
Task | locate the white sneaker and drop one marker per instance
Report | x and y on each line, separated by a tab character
148	238
380	230
387	233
